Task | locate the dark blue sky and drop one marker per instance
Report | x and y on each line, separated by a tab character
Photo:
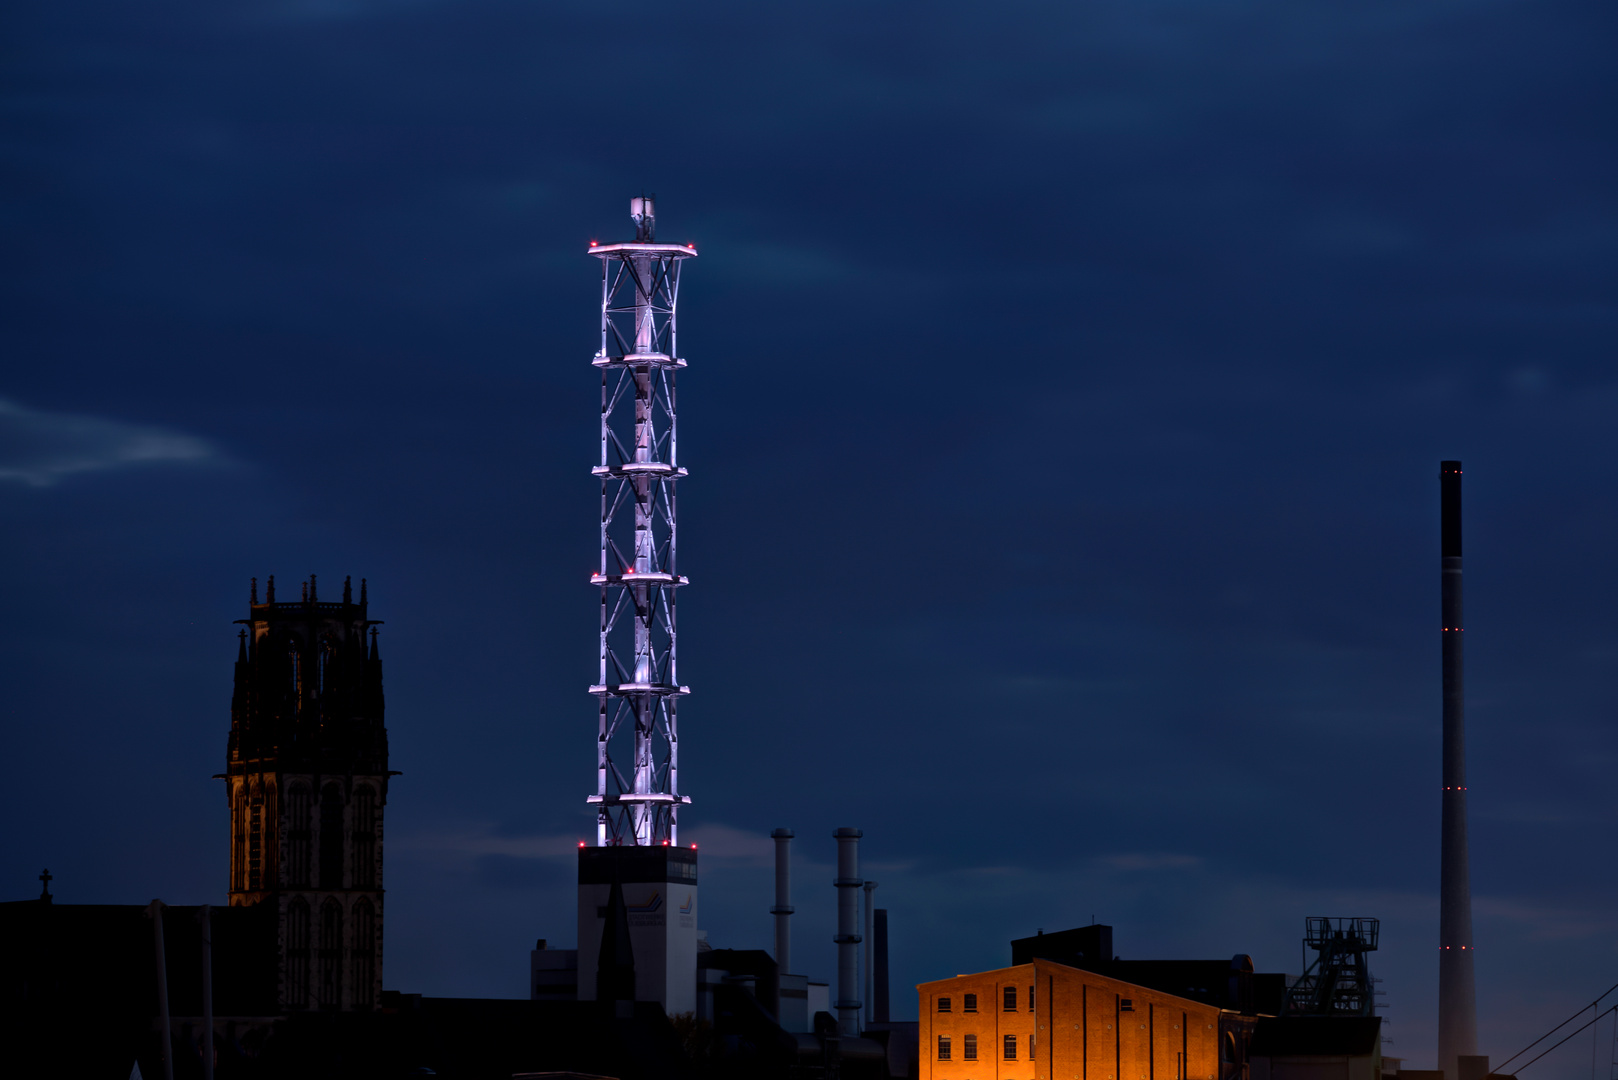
1068	384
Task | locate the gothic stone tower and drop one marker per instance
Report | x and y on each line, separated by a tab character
307	777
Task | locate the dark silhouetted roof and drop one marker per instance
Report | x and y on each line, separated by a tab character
1325	1036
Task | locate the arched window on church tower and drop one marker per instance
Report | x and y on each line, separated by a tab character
298	836
364	953
238	839
295	665
298	954
325	657
255	838
364	837
330	955
331	837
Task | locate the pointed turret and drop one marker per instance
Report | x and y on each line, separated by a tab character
374	703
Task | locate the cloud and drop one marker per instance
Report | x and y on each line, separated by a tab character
483	840
716	841
40	448
1151	861
1548	921
713	840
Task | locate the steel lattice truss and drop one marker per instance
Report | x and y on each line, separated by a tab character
1338	982
637	753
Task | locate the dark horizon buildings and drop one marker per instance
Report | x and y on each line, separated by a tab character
306	780
286	980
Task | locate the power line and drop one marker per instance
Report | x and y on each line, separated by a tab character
1570	1034
1555	1029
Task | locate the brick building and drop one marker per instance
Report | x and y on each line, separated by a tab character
1047	1021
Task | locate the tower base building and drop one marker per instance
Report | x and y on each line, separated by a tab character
660	893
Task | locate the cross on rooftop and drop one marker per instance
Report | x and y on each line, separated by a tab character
45	880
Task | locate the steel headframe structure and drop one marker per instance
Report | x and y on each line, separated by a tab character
637	795
1338	982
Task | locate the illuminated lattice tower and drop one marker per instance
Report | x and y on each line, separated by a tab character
638	742
637	796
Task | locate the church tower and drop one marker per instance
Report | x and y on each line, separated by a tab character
306	776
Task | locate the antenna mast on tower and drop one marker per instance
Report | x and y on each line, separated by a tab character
637	787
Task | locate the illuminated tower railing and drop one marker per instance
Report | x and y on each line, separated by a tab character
638	742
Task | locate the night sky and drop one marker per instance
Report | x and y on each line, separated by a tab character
1068	385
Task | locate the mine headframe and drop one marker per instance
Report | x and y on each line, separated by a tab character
1338	981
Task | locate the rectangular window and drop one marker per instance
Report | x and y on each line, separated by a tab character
1011	999
969	1052
943	1004
1030	999
943	1048
969	1003
1126	1005
1011	1048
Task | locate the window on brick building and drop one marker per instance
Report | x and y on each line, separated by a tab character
969	1050
1011	999
943	1048
1011	1048
1030	999
969	1003
943	1004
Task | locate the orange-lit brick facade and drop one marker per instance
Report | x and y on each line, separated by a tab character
1047	1021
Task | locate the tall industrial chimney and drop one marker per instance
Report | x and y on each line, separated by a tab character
848	938
783	907
869	935
880	933
1457	996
